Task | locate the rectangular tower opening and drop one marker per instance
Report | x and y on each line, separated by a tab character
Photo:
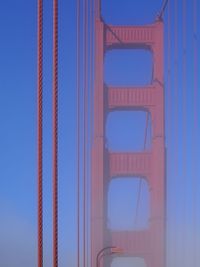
128	67
128	204
128	131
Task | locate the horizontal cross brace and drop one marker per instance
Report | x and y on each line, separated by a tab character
135	164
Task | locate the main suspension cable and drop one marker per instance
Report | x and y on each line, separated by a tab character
40	130
55	133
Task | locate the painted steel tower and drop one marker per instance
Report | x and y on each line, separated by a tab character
148	244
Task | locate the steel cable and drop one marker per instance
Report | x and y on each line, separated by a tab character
184	116
195	48
164	6
55	133
176	122
40	130
140	179
169	102
78	126
85	126
195	130
90	136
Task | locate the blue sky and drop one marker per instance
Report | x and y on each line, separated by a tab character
18	128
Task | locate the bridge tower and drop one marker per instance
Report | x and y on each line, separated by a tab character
148	244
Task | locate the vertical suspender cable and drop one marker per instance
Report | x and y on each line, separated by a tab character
88	112
78	125
55	133
195	185
91	62
169	99
175	126
184	116
91	19
85	125
195	61
169	68
40	130
97	8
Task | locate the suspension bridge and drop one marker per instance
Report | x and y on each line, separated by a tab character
117	123
163	101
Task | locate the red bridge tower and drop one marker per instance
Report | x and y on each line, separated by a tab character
148	244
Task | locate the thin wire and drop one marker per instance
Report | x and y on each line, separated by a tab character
195	47
91	67
85	130
40	130
140	179
177	242
169	95
195	129
184	116
78	126
164	6
90	97
95	17
55	133
169	66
